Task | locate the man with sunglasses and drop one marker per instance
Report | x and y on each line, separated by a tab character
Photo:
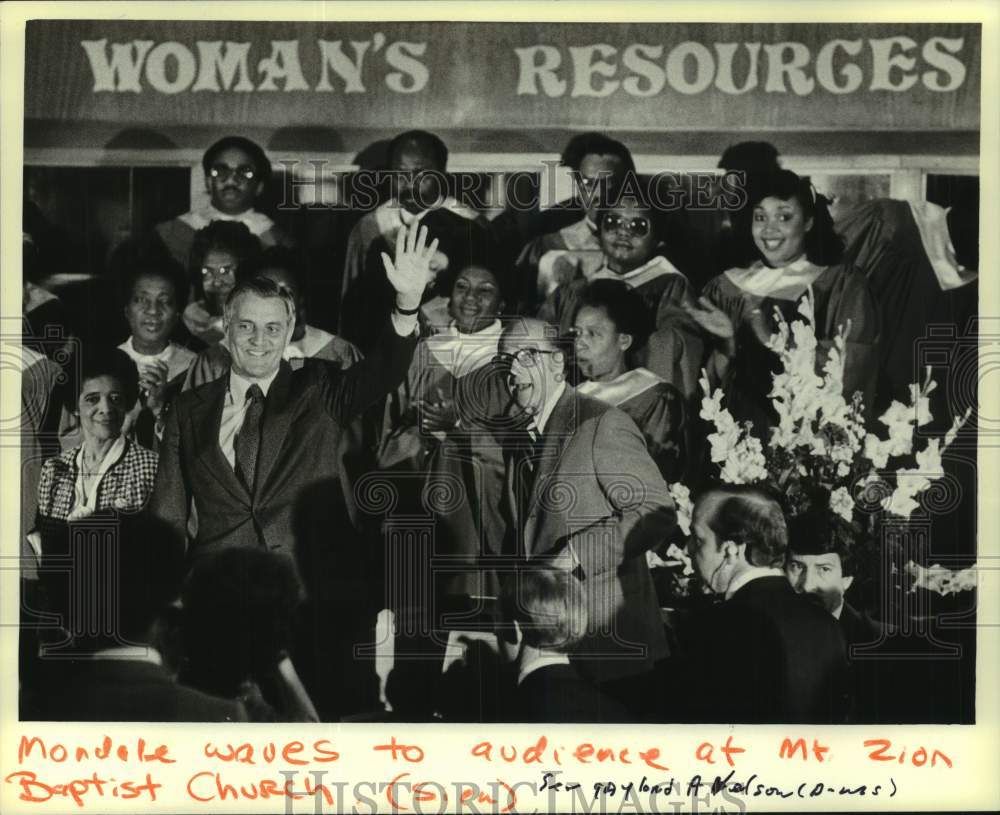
583	494
236	173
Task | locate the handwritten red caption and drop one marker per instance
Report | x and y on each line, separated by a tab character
401	790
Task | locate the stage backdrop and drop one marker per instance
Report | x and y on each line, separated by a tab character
492	85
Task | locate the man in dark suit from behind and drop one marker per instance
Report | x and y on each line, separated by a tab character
764	654
112	580
257	453
549	614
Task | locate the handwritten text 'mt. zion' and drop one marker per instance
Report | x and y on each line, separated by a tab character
837	66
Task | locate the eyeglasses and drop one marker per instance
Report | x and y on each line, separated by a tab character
525	357
218	271
638	227
224	172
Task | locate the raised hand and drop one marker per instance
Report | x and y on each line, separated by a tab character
711	319
152	383
409	272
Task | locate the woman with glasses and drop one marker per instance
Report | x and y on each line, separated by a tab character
633	253
798	254
611	327
217	253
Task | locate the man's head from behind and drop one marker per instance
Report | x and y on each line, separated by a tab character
111	577
537	363
734	529
548	606
820	561
259	319
236	172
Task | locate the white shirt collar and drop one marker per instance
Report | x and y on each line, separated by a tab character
129	348
257	222
539	659
239	385
752	573
542	418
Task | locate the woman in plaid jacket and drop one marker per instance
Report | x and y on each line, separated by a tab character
107	471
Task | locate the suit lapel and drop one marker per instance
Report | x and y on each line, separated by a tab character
559	429
278	413
206	416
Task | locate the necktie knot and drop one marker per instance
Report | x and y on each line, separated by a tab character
255	394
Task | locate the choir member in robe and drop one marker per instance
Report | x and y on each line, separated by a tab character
611	325
634	253
798	254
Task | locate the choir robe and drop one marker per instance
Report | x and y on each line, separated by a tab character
904	250
459	473
657	410
675	349
750	296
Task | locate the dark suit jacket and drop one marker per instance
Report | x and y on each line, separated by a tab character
125	690
557	693
301	501
597	491
767	655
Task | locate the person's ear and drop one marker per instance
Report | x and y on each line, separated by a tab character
625	341
733	551
847	582
809	224
258	190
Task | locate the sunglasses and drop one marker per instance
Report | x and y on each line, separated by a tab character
638	227
525	357
224	172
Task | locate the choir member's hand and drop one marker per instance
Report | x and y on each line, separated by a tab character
153	384
711	319
439	415
409	271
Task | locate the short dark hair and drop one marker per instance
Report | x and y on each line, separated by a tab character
820	531
146	556
239	615
226	236
424	140
549	605
595	144
624	307
276	257
748	516
751	157
102	360
261	163
823	246
151	268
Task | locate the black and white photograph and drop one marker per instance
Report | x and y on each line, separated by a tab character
454	372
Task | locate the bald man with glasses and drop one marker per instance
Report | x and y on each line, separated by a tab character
583	494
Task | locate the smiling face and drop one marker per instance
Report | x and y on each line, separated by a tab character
475	300
821	576
626	235
151	313
779	230
101	408
600	347
233	181
258	330
536	366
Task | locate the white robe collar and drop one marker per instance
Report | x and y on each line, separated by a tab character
462	354
627	386
649	271
257	222
932	223
782	283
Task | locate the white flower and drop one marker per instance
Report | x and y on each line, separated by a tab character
842	503
682	500
676	553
